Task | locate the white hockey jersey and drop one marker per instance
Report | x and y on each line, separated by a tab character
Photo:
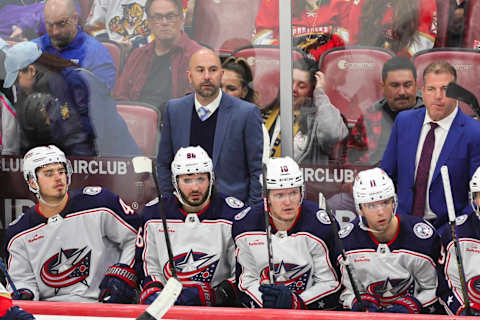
301	256
202	243
64	258
407	265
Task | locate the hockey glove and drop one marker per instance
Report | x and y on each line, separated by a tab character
151	290
226	294
25	294
118	285
196	294
17	313
474	310
370	303
406	304
278	296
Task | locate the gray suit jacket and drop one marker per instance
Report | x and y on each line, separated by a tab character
237	146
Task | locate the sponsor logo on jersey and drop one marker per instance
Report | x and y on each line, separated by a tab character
242	214
234	202
461	219
473	288
35	238
193	266
422	230
391	289
66	268
323	217
293	276
256	242
91	191
345	230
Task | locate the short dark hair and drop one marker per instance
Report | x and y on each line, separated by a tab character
439	67
177	3
398	63
307	64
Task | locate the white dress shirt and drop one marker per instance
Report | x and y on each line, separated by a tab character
211	107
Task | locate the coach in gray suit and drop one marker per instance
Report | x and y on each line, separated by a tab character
229	129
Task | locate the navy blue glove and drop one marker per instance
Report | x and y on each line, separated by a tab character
370	303
25	294
118	285
151	290
278	296
406	304
474	310
17	313
196	294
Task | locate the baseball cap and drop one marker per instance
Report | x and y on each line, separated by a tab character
18	57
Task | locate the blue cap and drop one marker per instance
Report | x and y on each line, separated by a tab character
18	57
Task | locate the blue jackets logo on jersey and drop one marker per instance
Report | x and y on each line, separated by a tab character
473	288
293	276
193	266
66	268
389	290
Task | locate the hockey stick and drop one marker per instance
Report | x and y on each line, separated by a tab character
16	294
451	220
173	288
268	227
458	92
345	262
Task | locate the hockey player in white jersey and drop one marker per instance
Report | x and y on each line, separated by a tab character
73	245
468	235
199	226
302	240
393	257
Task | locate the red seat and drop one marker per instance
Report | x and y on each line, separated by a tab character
143	123
471	34
117	54
224	25
85	6
443	16
465	61
353	77
265	64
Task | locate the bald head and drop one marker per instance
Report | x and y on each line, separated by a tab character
61	21
205	75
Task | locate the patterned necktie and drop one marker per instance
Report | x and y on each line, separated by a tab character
423	170
203	113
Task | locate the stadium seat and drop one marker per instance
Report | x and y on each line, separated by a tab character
224	25
443	16
85	6
471	34
117	54
264	61
465	61
353	78
143	123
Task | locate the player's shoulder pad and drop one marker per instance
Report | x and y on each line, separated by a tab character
423	230
239	216
152	202
345	230
461	219
92	190
323	217
234	203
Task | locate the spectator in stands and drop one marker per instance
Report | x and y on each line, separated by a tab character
157	72
423	140
229	129
122	21
406	27
25	21
66	39
237	81
61	103
369	137
312	26
318	125
456	23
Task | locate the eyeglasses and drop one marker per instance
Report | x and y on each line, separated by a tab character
158	18
292	195
60	24
373	206
190	180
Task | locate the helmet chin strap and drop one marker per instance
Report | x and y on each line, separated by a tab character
178	194
364	227
51	205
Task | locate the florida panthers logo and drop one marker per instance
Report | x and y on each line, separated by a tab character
66	268
390	289
132	23
473	287
293	276
193	266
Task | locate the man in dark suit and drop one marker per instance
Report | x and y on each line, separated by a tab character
423	140
229	129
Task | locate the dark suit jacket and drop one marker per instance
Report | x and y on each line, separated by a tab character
237	146
460	152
